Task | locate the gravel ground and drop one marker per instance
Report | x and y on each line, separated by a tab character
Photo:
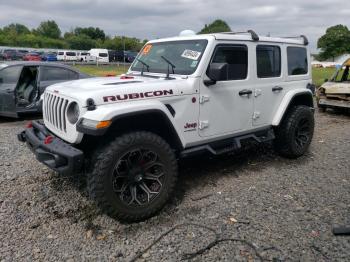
263	205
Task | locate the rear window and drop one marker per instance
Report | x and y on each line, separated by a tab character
56	73
102	55
71	54
297	61
268	59
60	53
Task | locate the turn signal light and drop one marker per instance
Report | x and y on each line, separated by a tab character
48	140
29	124
103	124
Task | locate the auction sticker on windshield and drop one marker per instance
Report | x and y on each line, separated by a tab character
147	49
190	54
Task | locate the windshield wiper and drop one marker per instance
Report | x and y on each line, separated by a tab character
143	65
169	64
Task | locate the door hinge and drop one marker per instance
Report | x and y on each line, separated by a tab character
203	124
257	92
256	115
203	99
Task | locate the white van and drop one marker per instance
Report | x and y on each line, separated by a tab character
100	55
63	55
83	56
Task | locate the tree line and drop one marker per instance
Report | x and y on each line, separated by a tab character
335	42
49	35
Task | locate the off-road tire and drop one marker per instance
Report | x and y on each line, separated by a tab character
286	143
100	178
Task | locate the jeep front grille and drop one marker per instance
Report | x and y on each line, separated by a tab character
54	110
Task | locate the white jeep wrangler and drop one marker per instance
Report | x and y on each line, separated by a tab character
181	96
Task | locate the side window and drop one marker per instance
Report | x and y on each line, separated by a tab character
268	60
236	57
297	61
10	75
56	73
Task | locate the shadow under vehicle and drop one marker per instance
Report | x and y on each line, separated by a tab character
22	83
335	93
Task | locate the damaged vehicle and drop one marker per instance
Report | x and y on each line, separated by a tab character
335	93
22	83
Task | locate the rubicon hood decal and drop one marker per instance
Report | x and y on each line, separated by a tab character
122	83
156	93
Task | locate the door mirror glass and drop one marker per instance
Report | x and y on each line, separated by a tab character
217	72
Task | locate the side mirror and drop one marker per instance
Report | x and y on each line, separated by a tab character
1	80
216	72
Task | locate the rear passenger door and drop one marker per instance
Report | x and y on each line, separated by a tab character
50	75
269	87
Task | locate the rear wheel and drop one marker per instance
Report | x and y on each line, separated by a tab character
134	176
295	133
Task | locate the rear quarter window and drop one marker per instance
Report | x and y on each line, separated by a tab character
297	61
57	74
10	75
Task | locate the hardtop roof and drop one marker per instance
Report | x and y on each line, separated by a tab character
298	40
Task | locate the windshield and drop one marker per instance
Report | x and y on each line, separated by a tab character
341	75
184	55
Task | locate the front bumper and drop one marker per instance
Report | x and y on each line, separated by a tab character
334	103
57	154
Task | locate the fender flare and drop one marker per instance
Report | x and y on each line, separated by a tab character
162	112
288	100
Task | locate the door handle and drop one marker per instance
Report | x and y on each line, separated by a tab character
245	92
277	89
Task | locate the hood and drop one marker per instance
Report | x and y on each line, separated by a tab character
336	88
105	90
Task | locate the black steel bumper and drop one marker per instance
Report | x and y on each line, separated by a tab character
57	155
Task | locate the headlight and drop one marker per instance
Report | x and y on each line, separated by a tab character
73	112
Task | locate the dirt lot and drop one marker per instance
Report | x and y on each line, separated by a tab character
266	207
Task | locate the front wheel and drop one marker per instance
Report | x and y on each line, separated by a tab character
134	176
294	134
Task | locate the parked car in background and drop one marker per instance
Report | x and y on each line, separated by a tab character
83	56
99	55
11	54
32	56
130	56
335	92
67	56
21	53
22	83
49	57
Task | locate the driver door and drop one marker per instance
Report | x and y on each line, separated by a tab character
227	106
8	81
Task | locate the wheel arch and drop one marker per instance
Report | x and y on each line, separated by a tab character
290	100
152	120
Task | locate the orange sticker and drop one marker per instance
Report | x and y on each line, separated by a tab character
146	49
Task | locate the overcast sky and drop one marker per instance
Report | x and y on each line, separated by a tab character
157	18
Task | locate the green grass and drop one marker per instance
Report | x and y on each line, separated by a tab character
318	74
102	70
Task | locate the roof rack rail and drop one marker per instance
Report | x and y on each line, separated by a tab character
305	40
254	35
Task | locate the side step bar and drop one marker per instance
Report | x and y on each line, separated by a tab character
231	145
